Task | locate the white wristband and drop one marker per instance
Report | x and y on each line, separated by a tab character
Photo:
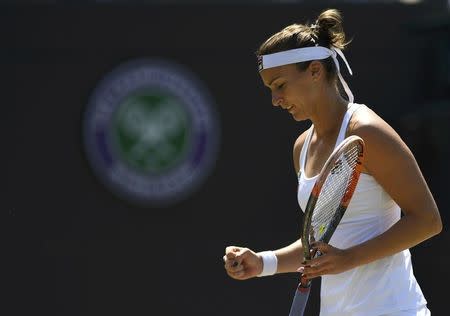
270	263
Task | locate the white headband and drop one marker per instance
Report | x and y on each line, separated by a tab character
298	55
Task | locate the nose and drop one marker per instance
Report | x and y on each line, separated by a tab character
276	100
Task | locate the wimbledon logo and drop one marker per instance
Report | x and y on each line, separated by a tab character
151	132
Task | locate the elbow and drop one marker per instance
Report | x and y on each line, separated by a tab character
430	224
435	224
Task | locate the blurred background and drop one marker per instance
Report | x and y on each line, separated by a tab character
80	242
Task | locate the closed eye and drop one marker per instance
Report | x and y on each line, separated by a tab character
280	86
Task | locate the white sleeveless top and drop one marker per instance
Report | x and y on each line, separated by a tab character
380	287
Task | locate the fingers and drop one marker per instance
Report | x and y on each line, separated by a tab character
319	265
241	263
311	272
238	272
233	262
331	261
237	254
233	249
232	256
320	246
231	253
235	269
314	268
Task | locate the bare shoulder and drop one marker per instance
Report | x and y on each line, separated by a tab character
371	127
380	138
389	160
298	148
365	119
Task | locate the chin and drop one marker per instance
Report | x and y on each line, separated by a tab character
298	117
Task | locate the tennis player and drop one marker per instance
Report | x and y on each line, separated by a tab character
366	268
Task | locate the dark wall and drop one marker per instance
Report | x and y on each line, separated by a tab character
74	248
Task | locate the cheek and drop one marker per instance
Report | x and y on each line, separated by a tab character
301	94
308	91
301	90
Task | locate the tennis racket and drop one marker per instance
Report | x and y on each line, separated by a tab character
326	205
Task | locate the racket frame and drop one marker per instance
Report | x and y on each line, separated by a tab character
314	196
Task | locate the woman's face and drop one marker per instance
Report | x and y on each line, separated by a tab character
292	89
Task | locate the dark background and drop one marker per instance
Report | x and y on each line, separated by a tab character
73	248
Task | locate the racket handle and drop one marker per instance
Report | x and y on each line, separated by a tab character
300	299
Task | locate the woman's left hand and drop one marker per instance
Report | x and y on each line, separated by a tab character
332	261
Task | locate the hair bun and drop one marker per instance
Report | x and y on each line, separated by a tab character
329	29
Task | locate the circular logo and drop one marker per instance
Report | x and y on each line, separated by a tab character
151	133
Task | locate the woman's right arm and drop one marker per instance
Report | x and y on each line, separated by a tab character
242	263
290	257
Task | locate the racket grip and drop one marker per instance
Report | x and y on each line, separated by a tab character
300	299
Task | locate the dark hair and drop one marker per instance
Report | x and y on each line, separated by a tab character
327	31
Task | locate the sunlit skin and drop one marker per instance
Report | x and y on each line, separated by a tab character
310	95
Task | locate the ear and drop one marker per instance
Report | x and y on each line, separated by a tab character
316	70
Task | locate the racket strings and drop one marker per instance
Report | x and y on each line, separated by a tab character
335	187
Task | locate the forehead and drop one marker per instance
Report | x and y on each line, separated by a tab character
271	74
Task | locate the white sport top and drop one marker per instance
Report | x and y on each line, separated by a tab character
380	287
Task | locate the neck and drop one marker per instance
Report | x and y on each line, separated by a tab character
328	115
